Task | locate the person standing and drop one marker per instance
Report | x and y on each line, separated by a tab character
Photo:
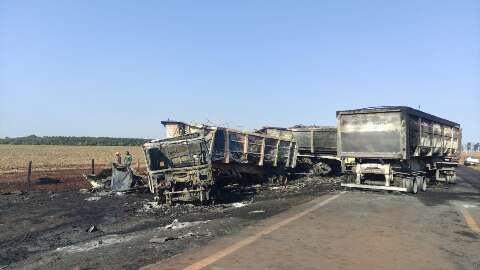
127	159
117	159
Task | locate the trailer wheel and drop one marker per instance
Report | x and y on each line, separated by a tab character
321	169
347	178
451	179
168	200
414	186
424	184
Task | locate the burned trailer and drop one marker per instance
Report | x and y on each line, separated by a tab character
316	147
190	167
396	148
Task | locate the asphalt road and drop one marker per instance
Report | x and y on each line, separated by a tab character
438	229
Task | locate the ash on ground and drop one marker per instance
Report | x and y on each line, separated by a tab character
80	229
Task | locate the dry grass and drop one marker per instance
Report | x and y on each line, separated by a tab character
14	158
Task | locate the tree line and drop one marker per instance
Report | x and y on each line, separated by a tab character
71	140
472	147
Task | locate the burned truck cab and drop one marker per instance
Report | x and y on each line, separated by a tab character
179	168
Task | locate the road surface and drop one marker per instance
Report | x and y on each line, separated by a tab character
438	229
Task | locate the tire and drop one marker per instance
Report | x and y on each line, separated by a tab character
424	185
347	178
407	184
414	187
452	179
321	169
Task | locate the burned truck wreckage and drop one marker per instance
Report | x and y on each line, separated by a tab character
195	160
388	148
316	148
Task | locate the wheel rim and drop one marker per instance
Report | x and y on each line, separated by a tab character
424	185
321	168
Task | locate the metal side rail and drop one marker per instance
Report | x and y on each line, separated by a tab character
350	185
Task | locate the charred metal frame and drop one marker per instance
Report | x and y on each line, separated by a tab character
239	152
316	152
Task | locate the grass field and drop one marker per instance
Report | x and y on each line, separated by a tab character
14	158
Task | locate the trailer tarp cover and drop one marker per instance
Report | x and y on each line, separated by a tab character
122	178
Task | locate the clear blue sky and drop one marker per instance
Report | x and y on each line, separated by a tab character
116	68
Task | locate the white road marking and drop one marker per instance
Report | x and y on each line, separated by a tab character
231	249
470	221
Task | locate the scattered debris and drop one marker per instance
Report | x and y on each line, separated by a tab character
93	199
103	193
151	206
239	204
91	229
119	227
103	242
101	180
47	181
84	191
297	186
175	225
119	178
17	193
158	240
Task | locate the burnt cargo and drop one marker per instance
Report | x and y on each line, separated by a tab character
188	167
316	147
398	141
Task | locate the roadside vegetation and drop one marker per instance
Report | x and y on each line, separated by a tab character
68	140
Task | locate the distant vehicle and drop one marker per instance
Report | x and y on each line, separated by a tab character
397	148
471	161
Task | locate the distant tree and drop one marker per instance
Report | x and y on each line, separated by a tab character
476	147
64	140
469	147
